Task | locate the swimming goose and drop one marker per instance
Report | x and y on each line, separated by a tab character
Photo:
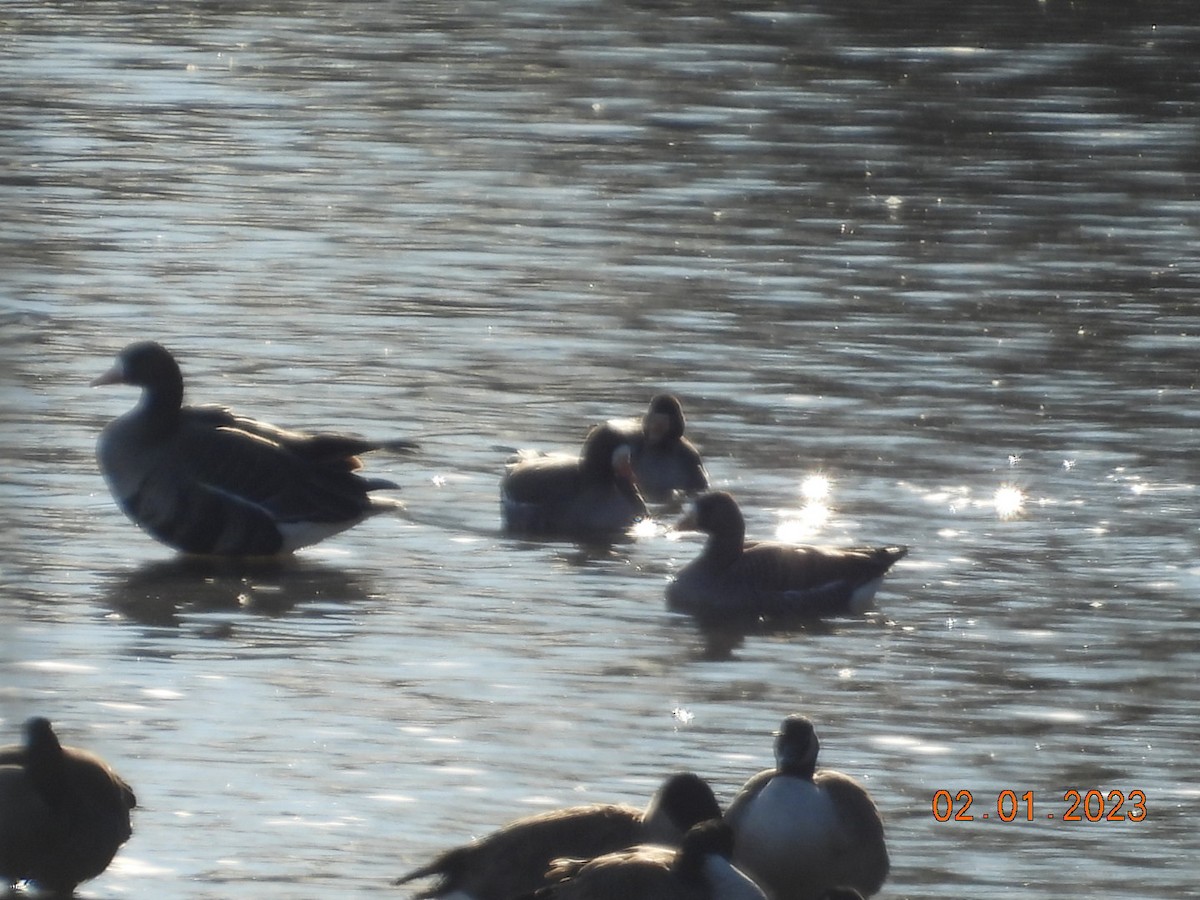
801	832
514	860
63	812
206	481
699	870
738	579
664	461
591	494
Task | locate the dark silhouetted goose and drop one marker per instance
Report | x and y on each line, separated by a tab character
699	870
801	832
63	812
206	481
664	461
734	579
591	495
514	860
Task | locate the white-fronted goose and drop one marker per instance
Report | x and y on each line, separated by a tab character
734	579
206	481
699	870
63	812
664	461
514	860
589	495
802	832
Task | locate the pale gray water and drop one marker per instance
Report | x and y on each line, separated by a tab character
927	254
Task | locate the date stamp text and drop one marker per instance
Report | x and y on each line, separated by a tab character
1009	806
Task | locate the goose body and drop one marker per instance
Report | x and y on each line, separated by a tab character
514	860
803	832
664	461
206	481
700	869
733	578
592	494
64	812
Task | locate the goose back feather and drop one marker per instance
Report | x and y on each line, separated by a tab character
699	869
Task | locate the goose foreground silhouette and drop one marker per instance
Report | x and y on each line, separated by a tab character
734	579
206	481
700	869
514	860
664	461
593	494
802	832
64	812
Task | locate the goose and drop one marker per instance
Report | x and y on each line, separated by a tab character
733	578
664	461
514	860
63	812
699	869
206	481
592	494
801	832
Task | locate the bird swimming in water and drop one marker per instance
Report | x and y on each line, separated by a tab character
514	859
591	495
64	812
735	580
206	481
802	831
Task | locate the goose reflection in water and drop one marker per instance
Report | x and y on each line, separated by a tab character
160	593
719	641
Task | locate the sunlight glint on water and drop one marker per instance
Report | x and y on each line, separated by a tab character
941	261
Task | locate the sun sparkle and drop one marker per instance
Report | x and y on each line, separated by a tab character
1009	501
645	528
815	488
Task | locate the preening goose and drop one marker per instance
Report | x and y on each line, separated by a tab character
802	832
206	481
664	461
63	812
699	870
734	579
514	860
590	495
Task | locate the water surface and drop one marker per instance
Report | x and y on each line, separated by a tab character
942	259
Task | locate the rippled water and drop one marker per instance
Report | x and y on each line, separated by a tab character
941	260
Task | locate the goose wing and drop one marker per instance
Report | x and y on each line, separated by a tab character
326	447
547	479
221	484
860	857
638	873
290	480
514	859
811	580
